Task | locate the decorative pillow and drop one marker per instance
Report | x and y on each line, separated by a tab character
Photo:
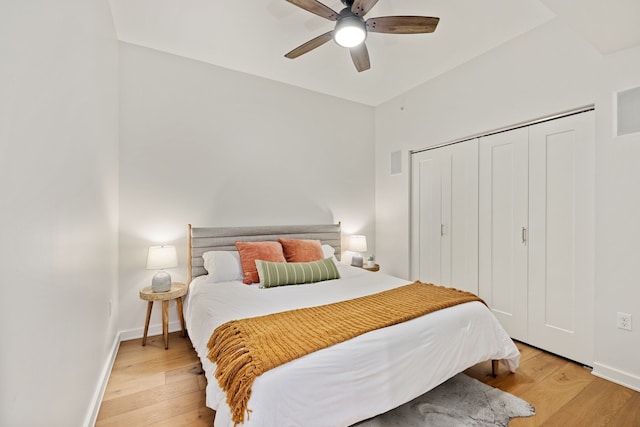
252	251
328	251
299	250
295	273
223	266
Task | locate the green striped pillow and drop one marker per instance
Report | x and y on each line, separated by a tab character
294	273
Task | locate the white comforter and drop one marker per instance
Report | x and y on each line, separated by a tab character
353	380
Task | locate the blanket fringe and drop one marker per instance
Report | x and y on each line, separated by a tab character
237	369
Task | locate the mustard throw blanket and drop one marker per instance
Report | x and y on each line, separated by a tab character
246	348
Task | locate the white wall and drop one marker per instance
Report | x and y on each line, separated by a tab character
58	222
617	226
209	146
545	71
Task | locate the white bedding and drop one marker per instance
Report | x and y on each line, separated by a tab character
353	380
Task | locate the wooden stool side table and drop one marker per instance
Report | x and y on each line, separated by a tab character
376	267
177	291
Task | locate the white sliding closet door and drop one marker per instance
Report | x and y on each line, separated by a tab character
444	243
561	247
503	223
426	216
536	216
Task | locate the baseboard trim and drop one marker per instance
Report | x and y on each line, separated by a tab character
616	376
98	394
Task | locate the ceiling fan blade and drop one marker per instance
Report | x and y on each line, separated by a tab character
361	7
310	45
360	57
317	8
402	24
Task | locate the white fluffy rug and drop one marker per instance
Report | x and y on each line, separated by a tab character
459	402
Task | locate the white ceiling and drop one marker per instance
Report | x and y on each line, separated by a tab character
253	36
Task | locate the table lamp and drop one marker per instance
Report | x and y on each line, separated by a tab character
159	258
357	244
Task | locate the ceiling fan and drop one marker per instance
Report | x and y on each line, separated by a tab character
351	28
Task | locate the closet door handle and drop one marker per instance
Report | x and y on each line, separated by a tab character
524	235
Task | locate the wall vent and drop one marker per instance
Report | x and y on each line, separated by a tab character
396	162
628	112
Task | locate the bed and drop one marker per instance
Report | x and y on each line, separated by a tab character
350	381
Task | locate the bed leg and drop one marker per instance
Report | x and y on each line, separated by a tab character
495	365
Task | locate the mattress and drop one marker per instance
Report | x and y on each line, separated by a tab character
354	380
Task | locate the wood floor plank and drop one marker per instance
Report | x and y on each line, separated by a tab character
527	352
186	371
120	385
132	352
603	398
153	365
533	369
153	386
151	396
156	413
552	393
201	417
629	414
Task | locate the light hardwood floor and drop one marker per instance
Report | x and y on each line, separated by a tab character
153	386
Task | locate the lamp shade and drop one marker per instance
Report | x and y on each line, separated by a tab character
350	31
358	243
161	257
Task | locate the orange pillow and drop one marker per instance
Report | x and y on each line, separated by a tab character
297	250
251	251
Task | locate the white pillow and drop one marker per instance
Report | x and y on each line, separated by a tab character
328	251
223	266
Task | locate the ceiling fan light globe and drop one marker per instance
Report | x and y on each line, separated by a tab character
350	32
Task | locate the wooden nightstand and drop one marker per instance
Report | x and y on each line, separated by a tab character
177	291
374	268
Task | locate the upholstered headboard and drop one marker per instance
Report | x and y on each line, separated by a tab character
203	239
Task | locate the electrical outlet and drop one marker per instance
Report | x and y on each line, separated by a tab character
623	321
